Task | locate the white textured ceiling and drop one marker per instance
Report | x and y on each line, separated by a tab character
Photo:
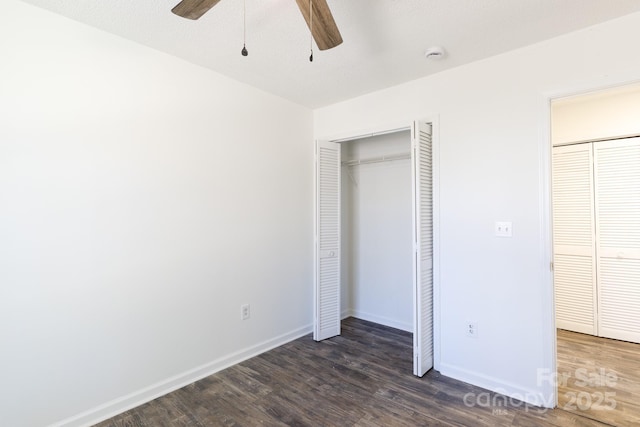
384	40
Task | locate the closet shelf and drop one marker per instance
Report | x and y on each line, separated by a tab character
391	158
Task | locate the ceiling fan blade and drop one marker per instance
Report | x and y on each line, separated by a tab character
325	31
193	9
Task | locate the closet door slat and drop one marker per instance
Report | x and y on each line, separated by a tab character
617	198
327	245
574	238
423	259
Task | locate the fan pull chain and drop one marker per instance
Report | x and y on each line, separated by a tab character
311	29
244	50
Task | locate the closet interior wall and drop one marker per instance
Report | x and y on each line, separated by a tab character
377	249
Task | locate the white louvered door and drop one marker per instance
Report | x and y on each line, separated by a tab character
617	198
423	254
327	241
574	239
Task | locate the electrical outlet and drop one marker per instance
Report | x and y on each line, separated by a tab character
245	311
504	229
472	329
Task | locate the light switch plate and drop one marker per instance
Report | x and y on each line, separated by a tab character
504	229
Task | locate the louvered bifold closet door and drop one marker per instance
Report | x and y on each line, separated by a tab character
327	247
574	238
617	195
423	254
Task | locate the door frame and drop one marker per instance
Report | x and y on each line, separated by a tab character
549	337
382	129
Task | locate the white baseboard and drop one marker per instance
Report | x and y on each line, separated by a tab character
346	313
392	323
137	398
514	391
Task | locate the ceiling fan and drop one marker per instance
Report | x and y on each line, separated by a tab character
316	12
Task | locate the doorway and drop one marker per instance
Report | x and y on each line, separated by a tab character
329	245
595	159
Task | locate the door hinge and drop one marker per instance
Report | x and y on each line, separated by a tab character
551	265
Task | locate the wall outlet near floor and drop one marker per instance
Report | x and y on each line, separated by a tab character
472	328
245	311
504	228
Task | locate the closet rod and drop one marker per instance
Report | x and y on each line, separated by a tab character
377	159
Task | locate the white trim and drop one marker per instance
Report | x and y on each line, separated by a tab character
347	313
137	398
435	171
597	85
408	327
607	138
514	391
549	338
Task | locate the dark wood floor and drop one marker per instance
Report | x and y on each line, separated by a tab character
363	378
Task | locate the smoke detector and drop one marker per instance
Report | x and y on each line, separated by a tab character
435	52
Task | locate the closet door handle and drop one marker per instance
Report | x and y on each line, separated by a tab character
328	254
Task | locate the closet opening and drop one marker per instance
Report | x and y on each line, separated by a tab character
377	243
595	177
374	235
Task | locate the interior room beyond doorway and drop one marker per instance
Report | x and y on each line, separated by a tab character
596	234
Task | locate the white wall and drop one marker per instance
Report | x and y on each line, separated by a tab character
603	114
377	228
142	201
493	158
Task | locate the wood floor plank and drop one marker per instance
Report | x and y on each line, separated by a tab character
595	367
364	378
